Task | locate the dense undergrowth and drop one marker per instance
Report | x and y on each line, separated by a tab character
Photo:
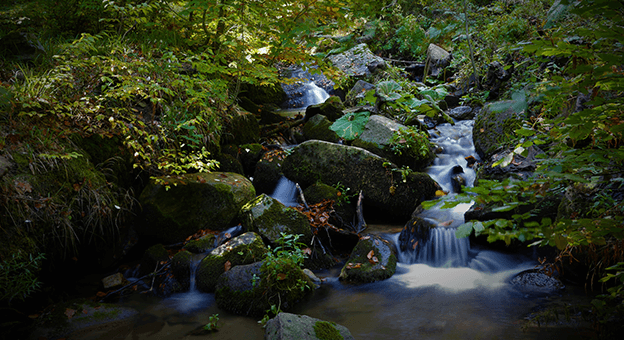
96	95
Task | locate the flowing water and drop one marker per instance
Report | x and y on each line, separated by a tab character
448	290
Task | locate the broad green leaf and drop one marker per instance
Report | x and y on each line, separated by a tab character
388	90
351	125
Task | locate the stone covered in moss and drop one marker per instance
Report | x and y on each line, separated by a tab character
201	245
270	218
377	138
345	211
181	265
242	128
244	249
252	289
228	163
174	208
152	259
358	61
302	327
247	154
492	129
385	192
372	259
318	128
332	108
268	171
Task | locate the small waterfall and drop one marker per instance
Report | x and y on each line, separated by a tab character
286	192
193	299
441	248
313	95
195	260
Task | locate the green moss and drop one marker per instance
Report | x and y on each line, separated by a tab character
201	245
326	331
244	249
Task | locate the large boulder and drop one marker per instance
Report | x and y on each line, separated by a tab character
380	137
270	218
372	259
493	125
318	128
176	207
244	249
388	193
358	61
252	289
286	326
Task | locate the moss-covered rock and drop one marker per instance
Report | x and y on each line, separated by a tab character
386	193
287	326
357	61
493	129
344	207
252	289
332	108
268	171
373	259
229	163
152	259
174	208
244	249
181	264
378	137
247	154
242	128
270	218
318	128
201	245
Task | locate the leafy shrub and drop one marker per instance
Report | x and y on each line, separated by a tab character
18	276
410	140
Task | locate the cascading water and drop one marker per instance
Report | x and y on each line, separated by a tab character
313	94
286	192
193	299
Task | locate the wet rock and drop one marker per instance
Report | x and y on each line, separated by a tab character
332	108
461	113
372	259
415	234
534	280
201	245
247	154
244	249
358	61
457	180
377	138
344	211
318	128
270	218
286	326
115	280
174	208
386	192
227	235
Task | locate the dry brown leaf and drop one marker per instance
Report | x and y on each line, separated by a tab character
370	254
227	265
70	313
281	276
